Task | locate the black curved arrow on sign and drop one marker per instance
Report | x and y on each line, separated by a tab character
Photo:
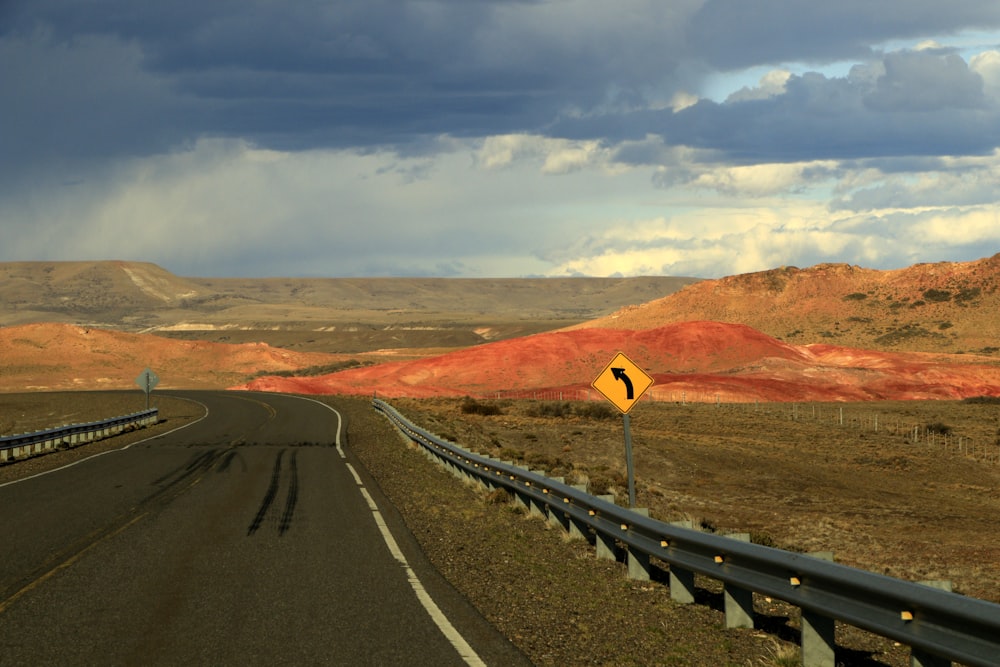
619	374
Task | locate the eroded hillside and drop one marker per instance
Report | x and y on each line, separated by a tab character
943	307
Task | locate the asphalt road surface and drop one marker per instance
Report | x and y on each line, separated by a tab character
249	537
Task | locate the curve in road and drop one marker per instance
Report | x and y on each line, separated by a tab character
247	537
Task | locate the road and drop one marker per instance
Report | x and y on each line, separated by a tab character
249	537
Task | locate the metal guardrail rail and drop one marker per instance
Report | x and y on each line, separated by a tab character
938	625
29	444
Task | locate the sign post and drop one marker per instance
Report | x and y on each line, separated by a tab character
147	380
623	383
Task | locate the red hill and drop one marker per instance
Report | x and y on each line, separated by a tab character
689	361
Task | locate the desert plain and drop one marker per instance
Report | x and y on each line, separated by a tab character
830	408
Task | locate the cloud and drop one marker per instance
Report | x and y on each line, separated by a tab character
926	80
498	137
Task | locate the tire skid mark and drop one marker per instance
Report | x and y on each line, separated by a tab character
272	491
228	461
196	461
198	465
293	495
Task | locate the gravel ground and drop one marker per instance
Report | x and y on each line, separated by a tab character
547	593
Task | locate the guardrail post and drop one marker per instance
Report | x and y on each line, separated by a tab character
738	601
536	507
604	544
487	480
819	640
919	658
638	562
556	516
578	529
681	580
521	498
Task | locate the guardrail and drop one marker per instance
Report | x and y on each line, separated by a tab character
30	444
939	626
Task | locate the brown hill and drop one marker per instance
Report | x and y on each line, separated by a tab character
943	307
122	293
60	356
316	314
696	361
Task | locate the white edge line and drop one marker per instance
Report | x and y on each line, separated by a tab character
119	449
467	653
456	639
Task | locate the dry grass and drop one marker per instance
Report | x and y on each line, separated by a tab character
886	490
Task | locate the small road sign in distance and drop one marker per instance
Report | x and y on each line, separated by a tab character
622	382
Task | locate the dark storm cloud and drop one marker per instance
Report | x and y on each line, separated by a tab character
734	34
911	103
283	75
120	77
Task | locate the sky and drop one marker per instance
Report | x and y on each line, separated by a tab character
499	138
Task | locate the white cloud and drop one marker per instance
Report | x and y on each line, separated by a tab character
987	65
765	179
979	226
556	156
770	85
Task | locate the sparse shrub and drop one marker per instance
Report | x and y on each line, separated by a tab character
603	483
557	409
982	400
905	332
313	371
968	294
937	295
938	428
498	496
763	539
918	303
855	296
508	454
471	406
595	410
547	461
781	654
945	325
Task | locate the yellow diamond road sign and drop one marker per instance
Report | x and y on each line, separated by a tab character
622	382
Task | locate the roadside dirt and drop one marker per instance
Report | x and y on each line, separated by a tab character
885	486
792	475
907	489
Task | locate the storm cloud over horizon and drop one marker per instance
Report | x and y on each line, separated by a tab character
499	137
